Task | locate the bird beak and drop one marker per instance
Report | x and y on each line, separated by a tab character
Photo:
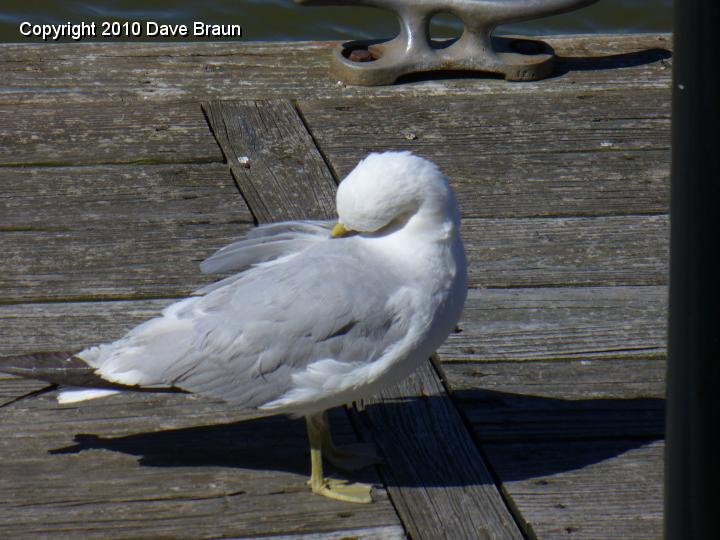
339	230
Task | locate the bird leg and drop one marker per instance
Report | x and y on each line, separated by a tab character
348	457
341	490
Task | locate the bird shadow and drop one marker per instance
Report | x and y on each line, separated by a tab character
534	436
273	442
534	429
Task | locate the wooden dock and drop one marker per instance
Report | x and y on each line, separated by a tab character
121	169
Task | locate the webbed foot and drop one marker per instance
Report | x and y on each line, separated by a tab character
347	458
342	490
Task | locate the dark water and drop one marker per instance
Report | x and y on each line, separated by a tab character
284	20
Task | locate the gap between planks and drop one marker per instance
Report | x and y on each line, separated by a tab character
455	496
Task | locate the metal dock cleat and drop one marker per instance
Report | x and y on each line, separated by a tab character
371	63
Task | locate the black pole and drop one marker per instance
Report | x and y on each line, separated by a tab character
692	482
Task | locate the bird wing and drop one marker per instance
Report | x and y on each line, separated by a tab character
265	243
251	341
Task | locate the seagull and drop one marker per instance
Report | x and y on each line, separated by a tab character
315	316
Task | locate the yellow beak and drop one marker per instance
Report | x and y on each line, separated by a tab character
339	231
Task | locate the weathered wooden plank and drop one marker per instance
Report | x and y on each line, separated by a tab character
70	326
538	252
560	323
587	489
429	503
589	153
580	381
504	401
113	231
111	261
44	197
588	183
374	533
433	464
561	363
179	504
143	465
193	481
88	72
497	124
542	401
633	166
514	324
89	133
115	262
14	388
274	160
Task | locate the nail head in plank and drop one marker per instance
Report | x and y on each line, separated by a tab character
455	496
274	160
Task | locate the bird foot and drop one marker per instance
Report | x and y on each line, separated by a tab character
352	457
342	490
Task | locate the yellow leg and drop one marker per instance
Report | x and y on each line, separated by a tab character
349	457
335	489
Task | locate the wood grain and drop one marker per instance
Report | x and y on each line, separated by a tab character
453	497
557	380
75	134
274	160
552	252
14	388
599	490
541	401
194	467
559	365
432	467
157	72
113	231
497	325
111	261
588	153
568	323
367	533
69	325
156	466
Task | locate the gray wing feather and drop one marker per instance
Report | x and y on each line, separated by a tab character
308	226
244	341
266	243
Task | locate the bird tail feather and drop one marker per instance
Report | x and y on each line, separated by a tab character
66	369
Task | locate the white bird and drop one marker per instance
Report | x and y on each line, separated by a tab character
317	316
